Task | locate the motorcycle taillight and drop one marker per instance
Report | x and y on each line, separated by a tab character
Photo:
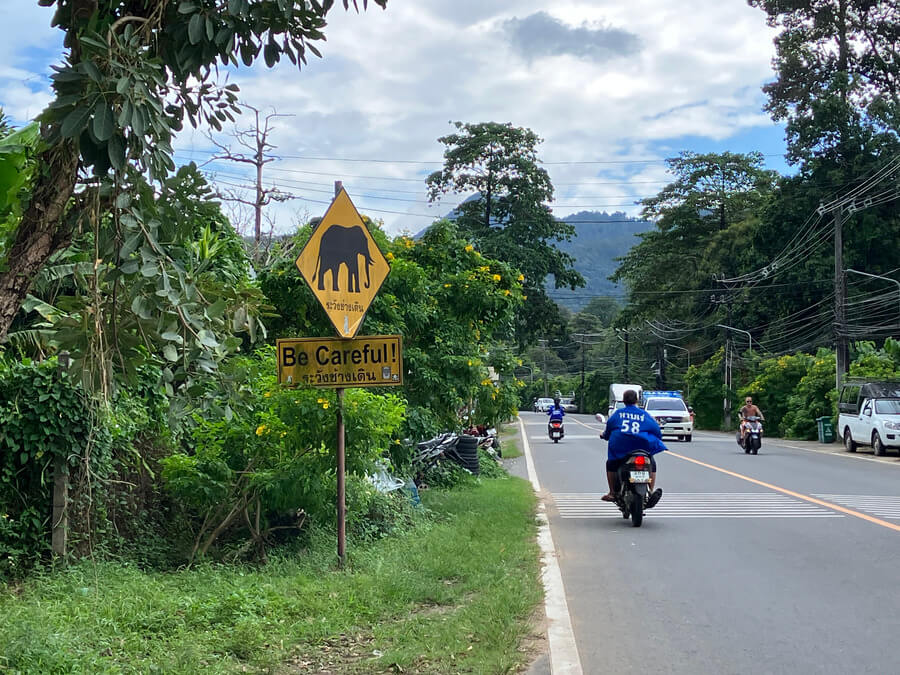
640	460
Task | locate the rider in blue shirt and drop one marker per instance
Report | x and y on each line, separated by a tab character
556	412
629	429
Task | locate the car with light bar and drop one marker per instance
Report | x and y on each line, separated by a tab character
670	412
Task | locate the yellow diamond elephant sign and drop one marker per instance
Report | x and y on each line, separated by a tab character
343	265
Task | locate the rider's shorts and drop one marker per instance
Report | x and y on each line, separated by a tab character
614	464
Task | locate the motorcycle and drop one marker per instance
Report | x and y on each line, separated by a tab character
751	441
633	486
555	430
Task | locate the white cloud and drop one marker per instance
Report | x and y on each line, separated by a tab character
658	71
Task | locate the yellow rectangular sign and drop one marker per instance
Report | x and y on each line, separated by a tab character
372	361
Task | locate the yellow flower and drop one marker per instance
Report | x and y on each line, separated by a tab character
485	268
408	243
321	400
469	248
389	256
496	277
477	254
524	297
325	405
507	292
486	381
446	285
521	277
470	363
267	394
283	434
261	429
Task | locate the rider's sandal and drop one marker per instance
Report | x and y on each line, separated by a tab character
608	498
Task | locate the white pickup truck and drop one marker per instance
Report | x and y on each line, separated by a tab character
869	414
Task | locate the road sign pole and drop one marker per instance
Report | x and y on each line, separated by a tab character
341	501
341	488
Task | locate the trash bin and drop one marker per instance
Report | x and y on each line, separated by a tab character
826	429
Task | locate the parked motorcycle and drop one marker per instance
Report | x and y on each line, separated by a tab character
633	486
751	441
555	430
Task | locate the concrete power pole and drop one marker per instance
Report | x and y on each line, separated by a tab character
841	349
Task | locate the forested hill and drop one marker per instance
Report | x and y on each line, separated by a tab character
600	238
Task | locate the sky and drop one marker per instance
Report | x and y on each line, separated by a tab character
612	88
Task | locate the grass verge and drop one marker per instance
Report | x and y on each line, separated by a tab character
509	440
454	594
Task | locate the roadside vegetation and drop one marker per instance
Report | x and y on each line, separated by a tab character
453	592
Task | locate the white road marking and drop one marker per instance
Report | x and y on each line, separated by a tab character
883	506
698	505
564	659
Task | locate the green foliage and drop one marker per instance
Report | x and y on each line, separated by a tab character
472	568
834	86
878	364
45	419
275	459
774	382
451	305
703	224
163	279
508	218
814	396
707	386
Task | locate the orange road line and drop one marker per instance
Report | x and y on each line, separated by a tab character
806	498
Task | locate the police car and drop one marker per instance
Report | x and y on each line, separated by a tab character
670	412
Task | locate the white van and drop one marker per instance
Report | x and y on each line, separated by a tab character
616	391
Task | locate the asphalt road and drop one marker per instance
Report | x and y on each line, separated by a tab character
784	562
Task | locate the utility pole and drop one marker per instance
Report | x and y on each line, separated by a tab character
626	355
581	402
543	344
841	349
660	366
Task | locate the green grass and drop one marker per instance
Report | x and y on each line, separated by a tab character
453	595
510	441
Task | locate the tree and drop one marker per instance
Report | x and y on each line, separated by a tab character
256	140
837	80
508	216
709	204
133	72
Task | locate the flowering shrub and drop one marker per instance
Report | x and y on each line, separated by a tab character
276	458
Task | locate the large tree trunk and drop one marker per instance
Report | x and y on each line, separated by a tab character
42	231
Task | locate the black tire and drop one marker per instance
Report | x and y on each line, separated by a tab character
467	442
688	438
849	443
877	445
637	507
680	439
556	440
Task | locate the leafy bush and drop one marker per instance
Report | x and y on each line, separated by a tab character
776	380
707	388
814	396
45	417
275	460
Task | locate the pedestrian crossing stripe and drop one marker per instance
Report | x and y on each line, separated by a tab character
698	505
883	506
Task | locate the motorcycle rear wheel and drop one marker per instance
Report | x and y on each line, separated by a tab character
637	505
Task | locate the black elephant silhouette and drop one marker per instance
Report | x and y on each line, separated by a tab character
342	245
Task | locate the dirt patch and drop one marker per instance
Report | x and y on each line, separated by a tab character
534	644
344	653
